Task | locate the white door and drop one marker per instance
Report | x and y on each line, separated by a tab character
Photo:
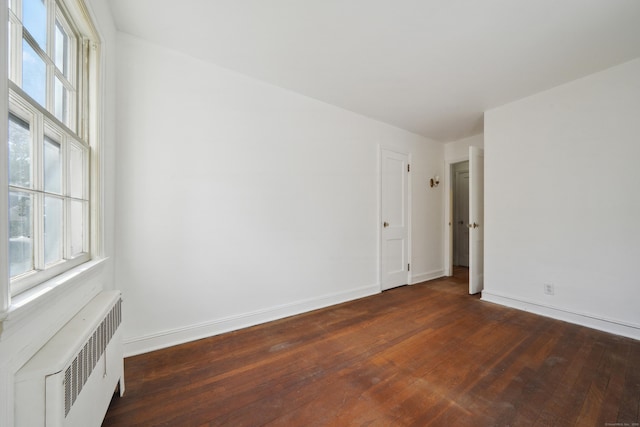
394	211
476	220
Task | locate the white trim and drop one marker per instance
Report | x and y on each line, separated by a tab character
379	229
409	217
613	326
171	337
429	275
5	291
43	294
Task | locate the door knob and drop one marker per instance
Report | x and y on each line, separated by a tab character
476	225
385	224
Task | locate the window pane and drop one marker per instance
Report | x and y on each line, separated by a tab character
52	229
62	49
34	19
76	169
19	152
52	166
61	96
20	238
34	74
78	223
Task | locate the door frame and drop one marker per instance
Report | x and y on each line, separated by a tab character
448	212
382	148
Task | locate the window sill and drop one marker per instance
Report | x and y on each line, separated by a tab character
44	294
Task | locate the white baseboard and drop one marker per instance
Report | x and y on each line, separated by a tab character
595	322
429	275
164	339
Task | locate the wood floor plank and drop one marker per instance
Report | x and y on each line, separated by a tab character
421	355
629	411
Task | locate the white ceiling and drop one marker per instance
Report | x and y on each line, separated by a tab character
429	66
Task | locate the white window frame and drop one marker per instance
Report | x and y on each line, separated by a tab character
5	291
41	126
43	123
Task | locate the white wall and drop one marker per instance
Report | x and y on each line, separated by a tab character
456	151
562	201
240	202
29	327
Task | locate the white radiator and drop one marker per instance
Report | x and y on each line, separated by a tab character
71	380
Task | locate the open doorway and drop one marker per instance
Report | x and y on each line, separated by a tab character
460	218
460	194
464	210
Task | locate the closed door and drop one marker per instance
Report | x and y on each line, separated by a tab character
394	211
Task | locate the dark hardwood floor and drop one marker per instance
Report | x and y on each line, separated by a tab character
421	355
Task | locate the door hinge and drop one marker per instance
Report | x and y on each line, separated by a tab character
408	167
408	267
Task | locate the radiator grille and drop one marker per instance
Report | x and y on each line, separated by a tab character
78	372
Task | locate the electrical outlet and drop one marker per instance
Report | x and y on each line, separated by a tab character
549	289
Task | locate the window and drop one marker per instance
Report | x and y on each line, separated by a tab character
51	50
